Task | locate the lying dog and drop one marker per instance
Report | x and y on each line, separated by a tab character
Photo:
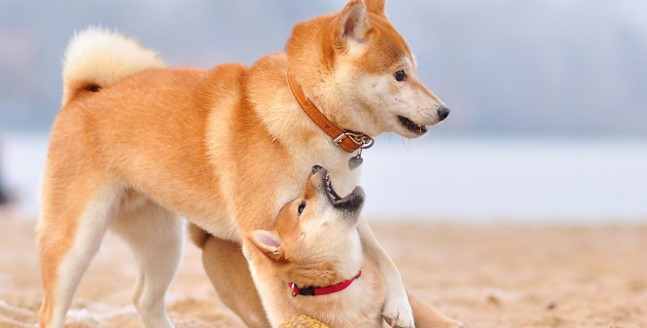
136	144
313	260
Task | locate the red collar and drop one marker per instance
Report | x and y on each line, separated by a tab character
314	291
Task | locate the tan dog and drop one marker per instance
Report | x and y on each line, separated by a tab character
315	265
136	144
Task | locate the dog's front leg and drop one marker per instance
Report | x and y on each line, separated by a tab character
397	310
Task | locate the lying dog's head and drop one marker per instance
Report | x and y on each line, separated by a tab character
315	241
369	81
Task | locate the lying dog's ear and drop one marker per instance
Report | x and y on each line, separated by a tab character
353	23
268	242
376	6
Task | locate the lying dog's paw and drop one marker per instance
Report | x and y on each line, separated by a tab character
397	312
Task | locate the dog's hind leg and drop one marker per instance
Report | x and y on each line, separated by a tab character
229	273
156	238
73	223
228	270
425	316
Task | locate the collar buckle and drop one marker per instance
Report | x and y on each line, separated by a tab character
360	139
307	291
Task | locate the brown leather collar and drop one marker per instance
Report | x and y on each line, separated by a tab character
348	140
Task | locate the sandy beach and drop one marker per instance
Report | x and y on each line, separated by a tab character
486	275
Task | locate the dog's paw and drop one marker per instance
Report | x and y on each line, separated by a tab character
397	313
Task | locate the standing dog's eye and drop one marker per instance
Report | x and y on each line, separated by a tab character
302	207
400	75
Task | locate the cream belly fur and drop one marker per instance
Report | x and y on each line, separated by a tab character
136	144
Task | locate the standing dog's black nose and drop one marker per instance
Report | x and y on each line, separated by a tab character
443	112
316	168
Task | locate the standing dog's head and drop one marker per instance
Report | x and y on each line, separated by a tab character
361	73
315	241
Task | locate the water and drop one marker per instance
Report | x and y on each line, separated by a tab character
509	180
468	179
21	164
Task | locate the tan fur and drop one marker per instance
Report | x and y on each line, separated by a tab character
318	248
225	148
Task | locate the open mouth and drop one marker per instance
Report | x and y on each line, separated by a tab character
411	126
350	202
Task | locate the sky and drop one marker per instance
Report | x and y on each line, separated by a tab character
504	67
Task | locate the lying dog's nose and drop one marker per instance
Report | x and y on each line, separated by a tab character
443	112
316	168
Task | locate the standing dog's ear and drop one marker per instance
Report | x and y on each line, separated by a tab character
268	242
376	6
353	24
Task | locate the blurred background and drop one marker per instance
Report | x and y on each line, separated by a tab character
548	98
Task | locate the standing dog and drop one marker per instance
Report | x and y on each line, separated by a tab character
136	144
315	265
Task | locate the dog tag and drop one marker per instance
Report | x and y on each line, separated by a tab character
355	161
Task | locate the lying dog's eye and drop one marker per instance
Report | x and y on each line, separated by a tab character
302	207
400	75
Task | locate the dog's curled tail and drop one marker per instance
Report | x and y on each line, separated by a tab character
97	57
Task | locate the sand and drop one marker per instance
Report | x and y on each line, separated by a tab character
489	275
